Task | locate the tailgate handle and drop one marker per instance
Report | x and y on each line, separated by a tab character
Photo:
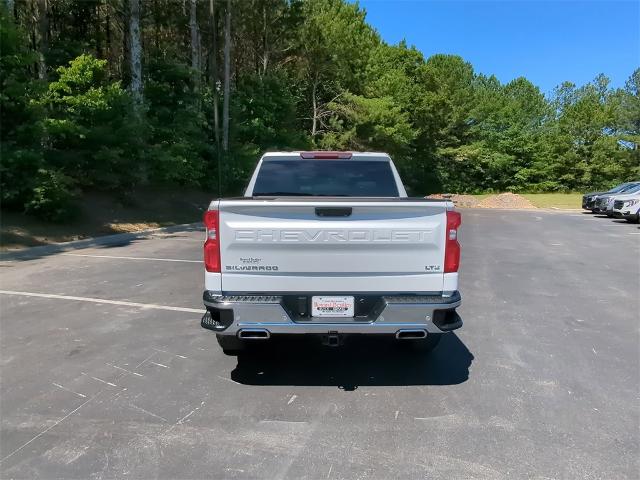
333	211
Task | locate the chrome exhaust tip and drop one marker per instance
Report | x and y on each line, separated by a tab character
254	334
410	334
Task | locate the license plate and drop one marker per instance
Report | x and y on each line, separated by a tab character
332	306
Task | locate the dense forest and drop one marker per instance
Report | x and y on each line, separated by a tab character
113	95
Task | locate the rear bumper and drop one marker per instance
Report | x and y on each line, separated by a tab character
431	313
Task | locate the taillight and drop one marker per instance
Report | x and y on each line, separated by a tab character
452	247
212	242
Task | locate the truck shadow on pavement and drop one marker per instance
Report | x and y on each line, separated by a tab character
361	361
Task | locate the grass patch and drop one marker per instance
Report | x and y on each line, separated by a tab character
557	200
101	214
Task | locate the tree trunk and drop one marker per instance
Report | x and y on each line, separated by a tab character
214	70
314	100
11	4
227	78
97	31
43	37
195	44
265	41
107	34
135	51
213	55
156	25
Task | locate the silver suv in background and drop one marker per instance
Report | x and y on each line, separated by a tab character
589	199
627	207
604	203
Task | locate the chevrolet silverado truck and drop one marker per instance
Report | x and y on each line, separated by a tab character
329	244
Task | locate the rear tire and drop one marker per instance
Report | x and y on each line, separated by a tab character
231	345
634	219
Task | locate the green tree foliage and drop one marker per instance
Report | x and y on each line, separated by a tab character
20	127
179	150
264	112
583	144
304	74
88	126
628	122
629	109
373	124
503	137
335	43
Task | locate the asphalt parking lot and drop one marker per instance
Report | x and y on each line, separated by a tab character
541	382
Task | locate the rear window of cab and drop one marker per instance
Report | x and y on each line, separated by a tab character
333	178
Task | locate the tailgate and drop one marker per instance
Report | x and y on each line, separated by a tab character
287	246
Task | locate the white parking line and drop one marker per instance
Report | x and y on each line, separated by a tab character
164	351
71	391
152	259
159	364
99	379
135	407
295	422
101	300
125	370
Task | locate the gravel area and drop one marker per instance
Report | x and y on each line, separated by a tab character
503	200
459	200
506	200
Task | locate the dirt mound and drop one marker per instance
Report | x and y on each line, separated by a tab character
130	227
506	200
458	200
502	200
464	200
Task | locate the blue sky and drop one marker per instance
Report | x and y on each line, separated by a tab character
546	41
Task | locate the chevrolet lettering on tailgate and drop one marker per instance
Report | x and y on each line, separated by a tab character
317	236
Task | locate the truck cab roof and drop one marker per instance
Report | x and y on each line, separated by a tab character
328	155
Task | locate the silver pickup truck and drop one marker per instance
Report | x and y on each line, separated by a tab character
328	243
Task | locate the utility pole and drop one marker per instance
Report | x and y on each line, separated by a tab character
135	49
227	78
214	88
